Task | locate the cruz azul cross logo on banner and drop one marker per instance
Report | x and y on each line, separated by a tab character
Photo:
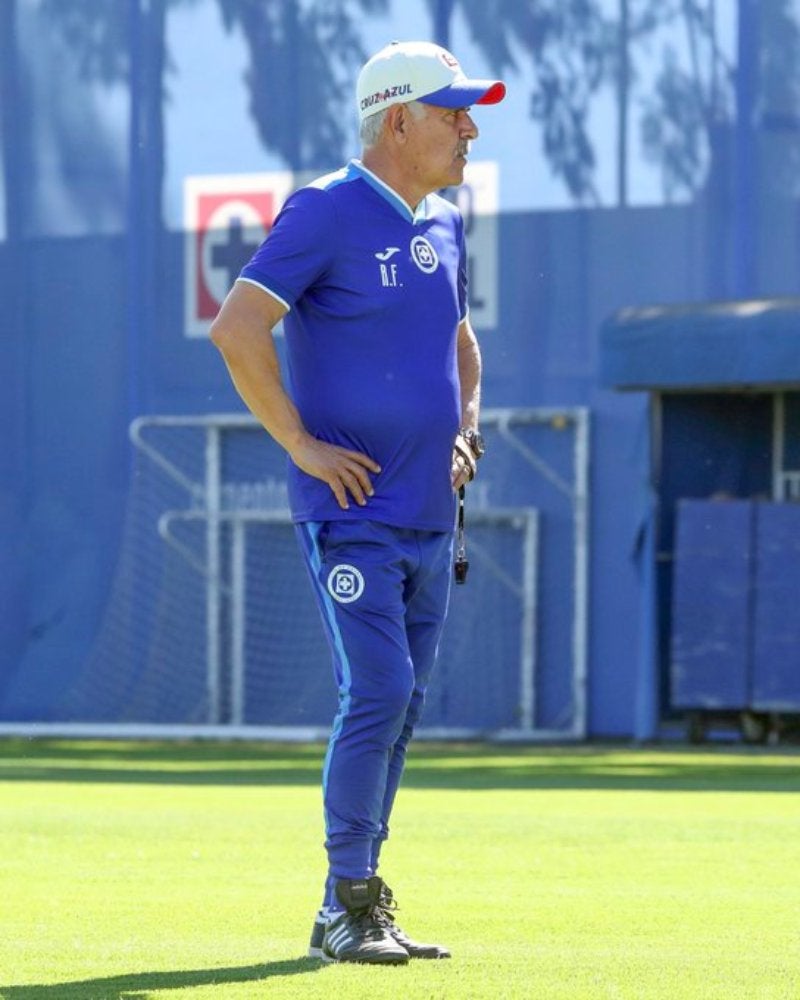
226	217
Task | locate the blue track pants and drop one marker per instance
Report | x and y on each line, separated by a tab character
383	594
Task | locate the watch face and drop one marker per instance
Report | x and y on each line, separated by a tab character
475	439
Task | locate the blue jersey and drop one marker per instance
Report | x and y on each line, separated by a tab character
375	294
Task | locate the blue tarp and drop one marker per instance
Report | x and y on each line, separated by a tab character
709	345
712	594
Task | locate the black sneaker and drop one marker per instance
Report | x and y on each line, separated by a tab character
318	935
359	934
385	916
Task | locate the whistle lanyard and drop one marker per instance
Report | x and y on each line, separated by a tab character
461	564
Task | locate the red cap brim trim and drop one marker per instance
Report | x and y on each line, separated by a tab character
494	94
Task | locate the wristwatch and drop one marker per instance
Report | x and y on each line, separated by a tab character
475	441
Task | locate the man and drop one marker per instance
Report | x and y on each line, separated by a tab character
380	421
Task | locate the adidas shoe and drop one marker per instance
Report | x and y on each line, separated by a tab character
359	934
318	934
385	916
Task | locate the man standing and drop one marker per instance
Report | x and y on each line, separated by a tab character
380	421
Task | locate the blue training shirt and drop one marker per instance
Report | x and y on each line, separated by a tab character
375	294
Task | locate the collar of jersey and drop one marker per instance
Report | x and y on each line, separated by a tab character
394	199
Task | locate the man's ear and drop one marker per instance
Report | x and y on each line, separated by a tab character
397	119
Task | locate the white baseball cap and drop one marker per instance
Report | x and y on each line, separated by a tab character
420	71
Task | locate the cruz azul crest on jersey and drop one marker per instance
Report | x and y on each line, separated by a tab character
345	583
423	255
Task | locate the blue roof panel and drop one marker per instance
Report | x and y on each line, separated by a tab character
716	344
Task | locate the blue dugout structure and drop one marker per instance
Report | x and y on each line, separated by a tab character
724	386
92	277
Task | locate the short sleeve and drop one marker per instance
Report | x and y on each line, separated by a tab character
299	248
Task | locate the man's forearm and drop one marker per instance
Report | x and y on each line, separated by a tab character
243	334
257	380
469	371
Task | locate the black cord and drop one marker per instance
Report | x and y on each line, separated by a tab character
461	564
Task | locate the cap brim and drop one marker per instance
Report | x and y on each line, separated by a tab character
465	93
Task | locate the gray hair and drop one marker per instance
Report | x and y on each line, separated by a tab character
372	126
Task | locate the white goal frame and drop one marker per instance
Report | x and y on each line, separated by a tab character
213	514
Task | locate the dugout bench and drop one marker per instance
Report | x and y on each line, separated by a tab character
723	471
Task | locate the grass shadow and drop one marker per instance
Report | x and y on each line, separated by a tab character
431	766
139	986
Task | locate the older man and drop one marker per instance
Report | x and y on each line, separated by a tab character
380	422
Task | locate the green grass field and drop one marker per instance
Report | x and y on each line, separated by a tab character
141	870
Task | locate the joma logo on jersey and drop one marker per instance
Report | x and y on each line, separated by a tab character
388	271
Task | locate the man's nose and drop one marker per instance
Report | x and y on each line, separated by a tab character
469	130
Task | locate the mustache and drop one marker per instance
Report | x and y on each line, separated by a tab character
463	148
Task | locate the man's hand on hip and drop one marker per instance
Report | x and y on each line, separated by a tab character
345	471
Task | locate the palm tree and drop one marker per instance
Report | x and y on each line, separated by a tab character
300	79
570	46
575	49
303	56
302	60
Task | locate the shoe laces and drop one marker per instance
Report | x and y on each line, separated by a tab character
385	910
368	923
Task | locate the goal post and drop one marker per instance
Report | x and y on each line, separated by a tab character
211	625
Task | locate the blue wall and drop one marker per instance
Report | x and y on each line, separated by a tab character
76	372
94	337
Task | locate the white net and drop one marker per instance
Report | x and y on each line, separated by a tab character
211	620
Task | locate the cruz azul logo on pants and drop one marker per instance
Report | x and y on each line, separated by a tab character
345	583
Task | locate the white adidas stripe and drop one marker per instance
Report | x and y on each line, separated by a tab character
340	938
